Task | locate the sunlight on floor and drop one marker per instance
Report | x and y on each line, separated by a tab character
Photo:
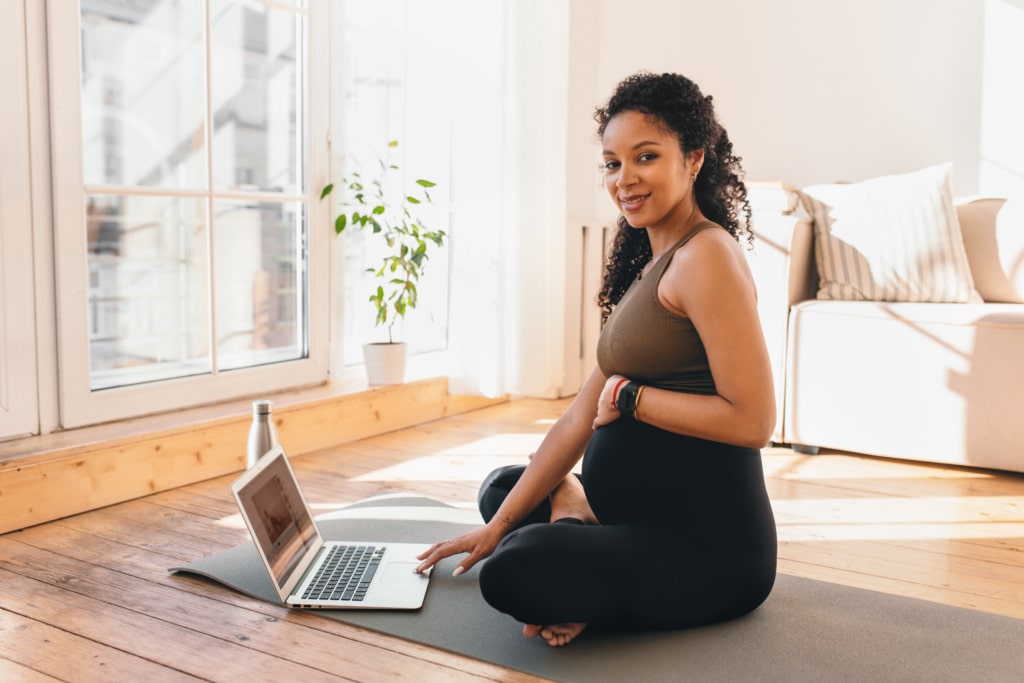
781	462
804	519
468	467
471	461
876	518
844	513
515	444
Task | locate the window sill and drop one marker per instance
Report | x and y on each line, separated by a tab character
43	478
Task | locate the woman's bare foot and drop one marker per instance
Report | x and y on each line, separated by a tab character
556	635
570	500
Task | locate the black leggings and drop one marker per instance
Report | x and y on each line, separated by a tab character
686	538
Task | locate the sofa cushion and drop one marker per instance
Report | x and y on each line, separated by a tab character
932	382
893	238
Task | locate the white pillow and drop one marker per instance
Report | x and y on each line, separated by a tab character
893	238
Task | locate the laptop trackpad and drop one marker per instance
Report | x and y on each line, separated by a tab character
398	571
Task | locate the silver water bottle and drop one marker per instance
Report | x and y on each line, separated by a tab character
262	434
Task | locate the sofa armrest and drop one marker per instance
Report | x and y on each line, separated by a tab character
782	263
993	233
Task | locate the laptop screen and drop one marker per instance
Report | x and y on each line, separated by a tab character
279	518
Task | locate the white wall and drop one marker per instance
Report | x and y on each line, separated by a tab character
815	91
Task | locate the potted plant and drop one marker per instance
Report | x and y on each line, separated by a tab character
377	205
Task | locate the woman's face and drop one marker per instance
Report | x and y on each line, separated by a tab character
646	173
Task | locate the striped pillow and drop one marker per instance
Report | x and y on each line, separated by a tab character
894	238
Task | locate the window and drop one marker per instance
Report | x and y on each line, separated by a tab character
187	266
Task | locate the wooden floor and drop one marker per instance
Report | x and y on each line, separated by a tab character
88	598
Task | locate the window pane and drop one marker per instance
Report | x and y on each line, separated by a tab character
260	282
256	91
143	100
147	288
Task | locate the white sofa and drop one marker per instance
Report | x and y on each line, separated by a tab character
939	382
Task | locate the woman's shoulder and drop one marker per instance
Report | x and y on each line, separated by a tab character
711	252
705	237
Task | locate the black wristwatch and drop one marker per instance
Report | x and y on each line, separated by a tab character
626	400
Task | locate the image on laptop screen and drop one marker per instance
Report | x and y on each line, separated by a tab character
280	522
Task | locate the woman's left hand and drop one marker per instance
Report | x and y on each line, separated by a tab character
606	410
479	543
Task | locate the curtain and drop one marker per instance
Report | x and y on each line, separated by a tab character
508	243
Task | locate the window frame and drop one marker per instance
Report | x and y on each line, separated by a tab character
79	404
19	394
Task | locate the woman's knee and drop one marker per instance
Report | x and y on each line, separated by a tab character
506	576
495	487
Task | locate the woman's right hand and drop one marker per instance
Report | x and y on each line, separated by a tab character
479	543
607	412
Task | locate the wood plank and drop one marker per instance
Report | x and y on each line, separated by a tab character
68	656
963	581
901	586
12	672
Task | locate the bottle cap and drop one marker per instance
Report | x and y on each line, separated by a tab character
261	407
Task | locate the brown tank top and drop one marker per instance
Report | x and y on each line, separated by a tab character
649	344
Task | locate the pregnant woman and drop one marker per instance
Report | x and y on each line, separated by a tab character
669	525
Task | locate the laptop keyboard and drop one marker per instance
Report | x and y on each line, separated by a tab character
346	573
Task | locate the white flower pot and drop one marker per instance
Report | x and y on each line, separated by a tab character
385	363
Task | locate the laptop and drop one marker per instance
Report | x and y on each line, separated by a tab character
303	566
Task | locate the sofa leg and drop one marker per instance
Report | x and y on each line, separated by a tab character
804	450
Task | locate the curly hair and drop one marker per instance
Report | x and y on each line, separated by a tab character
676	103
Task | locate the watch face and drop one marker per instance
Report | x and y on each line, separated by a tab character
627	399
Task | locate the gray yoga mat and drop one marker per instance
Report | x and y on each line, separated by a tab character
806	631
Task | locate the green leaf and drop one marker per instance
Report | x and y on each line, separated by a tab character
327	190
407	237
339	224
